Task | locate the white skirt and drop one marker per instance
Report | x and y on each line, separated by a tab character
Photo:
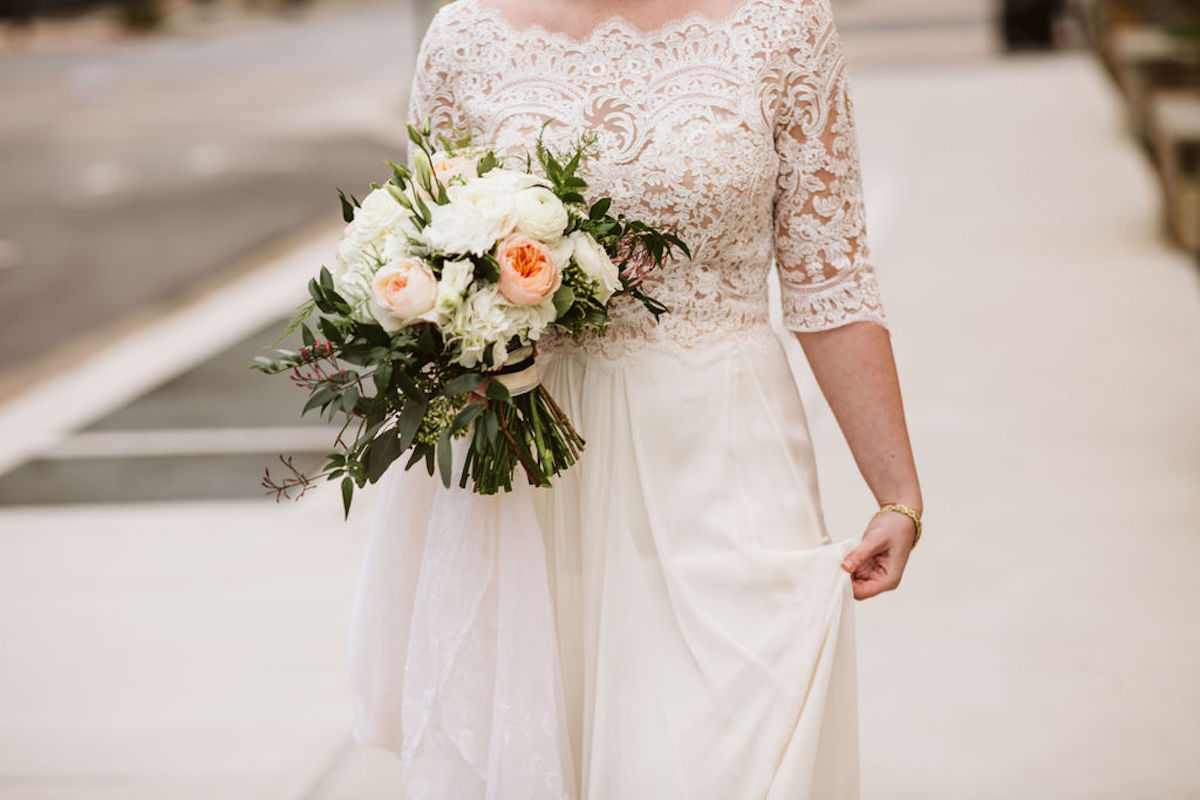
669	622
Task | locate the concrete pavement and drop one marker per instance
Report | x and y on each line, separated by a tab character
1042	645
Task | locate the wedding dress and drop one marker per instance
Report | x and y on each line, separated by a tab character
670	621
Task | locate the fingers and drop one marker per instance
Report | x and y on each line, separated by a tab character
873	568
863	553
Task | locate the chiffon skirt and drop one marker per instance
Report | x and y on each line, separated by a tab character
670	621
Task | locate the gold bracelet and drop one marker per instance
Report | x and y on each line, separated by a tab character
903	509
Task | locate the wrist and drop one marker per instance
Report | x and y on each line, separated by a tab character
911	502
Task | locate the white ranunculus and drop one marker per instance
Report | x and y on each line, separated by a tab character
596	264
540	213
378	215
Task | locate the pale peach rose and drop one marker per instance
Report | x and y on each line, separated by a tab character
528	271
445	169
403	292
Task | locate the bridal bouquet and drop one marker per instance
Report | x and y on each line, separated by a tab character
445	278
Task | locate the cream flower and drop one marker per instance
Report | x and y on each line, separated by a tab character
596	264
540	213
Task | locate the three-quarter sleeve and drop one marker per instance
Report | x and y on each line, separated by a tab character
826	275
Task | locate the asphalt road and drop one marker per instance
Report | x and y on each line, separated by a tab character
134	171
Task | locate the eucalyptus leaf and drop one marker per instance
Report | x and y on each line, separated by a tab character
410	423
499	392
347	494
464	383
466	417
445	457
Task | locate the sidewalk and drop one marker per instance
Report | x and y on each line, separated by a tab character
1041	647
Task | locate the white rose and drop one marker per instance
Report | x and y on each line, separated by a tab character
379	214
596	264
540	213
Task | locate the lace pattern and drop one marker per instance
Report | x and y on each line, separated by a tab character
738	132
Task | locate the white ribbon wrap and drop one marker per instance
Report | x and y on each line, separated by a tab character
525	380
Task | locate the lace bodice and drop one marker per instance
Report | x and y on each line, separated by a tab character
739	131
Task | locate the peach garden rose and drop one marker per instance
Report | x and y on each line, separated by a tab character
528	271
403	292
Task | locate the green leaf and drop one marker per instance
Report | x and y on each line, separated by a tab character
326	279
347	494
600	208
488	269
381	453
466	417
499	392
347	207
383	377
410	423
467	382
417	454
409	387
330	330
319	398
563	299
307	335
350	399
445	457
491	427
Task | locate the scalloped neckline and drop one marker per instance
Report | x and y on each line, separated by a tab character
615	24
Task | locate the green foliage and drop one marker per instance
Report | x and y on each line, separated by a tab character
399	393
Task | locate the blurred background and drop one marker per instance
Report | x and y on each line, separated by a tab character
167	172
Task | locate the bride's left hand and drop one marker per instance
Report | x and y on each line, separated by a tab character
877	563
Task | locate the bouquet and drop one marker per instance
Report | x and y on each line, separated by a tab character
446	277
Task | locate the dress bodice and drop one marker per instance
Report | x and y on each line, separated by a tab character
736	132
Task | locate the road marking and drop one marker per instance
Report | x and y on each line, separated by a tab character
41	418
194	442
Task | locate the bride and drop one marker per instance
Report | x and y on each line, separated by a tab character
672	620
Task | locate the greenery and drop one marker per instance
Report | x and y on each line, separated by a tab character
399	394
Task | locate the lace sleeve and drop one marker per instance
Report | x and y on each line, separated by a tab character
434	91
826	275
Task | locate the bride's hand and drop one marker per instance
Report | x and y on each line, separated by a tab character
877	563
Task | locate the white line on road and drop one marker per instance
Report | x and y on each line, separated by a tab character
40	419
193	441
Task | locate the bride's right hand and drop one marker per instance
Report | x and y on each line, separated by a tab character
877	563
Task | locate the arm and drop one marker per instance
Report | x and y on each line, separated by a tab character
830	294
856	370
